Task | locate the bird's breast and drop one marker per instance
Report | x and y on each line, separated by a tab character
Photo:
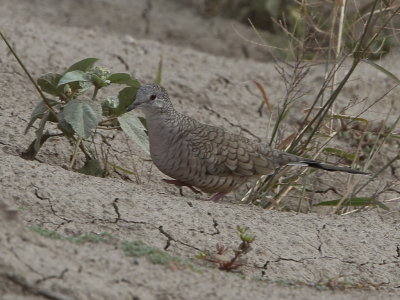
169	150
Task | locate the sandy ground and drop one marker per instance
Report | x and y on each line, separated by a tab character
209	73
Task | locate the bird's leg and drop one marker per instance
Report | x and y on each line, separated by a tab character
180	184
217	196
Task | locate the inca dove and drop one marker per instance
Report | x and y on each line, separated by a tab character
204	156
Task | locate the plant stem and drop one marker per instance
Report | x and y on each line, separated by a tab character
96	89
71	165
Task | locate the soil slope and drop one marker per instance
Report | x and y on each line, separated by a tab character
295	255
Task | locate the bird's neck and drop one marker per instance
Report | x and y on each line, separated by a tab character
163	126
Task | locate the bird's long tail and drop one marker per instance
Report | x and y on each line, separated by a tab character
327	167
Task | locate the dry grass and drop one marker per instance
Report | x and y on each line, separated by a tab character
323	123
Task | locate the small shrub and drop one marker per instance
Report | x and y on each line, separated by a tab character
77	116
230	263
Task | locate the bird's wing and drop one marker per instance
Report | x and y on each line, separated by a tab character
226	154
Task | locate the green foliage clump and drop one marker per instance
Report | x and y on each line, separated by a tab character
77	116
76	239
156	256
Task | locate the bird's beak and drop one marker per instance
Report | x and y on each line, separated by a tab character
132	106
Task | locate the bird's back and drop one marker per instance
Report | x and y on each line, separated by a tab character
205	156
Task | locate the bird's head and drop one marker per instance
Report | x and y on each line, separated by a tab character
151	98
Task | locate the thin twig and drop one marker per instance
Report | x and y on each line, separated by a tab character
45	100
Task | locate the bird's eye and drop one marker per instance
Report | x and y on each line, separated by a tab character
153	97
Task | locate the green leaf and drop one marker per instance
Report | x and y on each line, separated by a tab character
83	116
356	201
132	126
124	78
322	135
82	65
49	83
383	70
115	106
63	125
126	97
159	72
345	117
247	237
394	136
121	169
38	112
74	76
340	153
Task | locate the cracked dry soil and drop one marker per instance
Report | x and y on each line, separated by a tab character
213	84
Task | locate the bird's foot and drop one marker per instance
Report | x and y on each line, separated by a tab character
217	196
181	184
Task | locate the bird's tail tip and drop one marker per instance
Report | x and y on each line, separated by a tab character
327	167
